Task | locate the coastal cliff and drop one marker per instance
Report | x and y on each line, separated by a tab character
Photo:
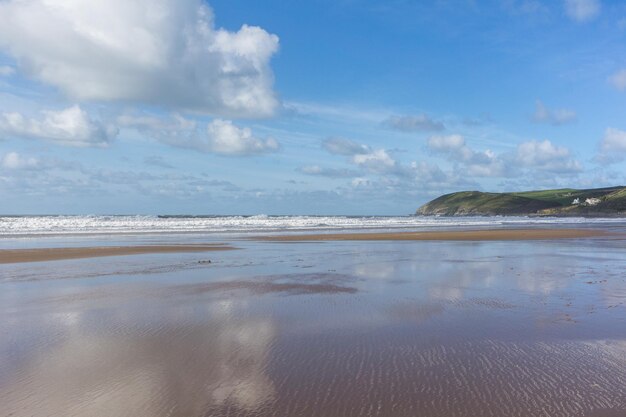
596	202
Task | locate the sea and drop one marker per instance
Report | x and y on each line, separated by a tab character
59	225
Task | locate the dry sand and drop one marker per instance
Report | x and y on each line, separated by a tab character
505	234
8	256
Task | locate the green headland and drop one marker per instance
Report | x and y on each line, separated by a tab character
595	202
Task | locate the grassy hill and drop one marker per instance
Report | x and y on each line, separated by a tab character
562	202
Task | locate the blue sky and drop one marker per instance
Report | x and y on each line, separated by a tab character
316	107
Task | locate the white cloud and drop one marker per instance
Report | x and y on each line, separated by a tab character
221	136
163	52
342	146
392	175
532	155
312	169
172	130
618	80
14	161
487	164
546	156
612	146
554	117
225	138
431	176
360	182
448	143
410	182
68	127
418	123
328	172
5	71
336	112
475	163
582	10
377	161
614	140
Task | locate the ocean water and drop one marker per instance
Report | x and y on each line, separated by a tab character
16	226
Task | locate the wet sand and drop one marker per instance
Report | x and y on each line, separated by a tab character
52	254
8	256
463	235
380	328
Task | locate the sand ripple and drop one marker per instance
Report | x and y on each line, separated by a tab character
486	378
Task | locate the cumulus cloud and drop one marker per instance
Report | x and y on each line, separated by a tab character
166	129
392	174
618	80
328	172
448	143
374	161
431	176
342	146
474	163
68	127
536	159
163	52
360	182
377	161
418	123
225	138
15	161
53	177
221	136
582	10
612	146
614	140
529	156
408	183
487	164
554	117
546	156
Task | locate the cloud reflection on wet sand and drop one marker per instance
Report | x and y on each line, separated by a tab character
176	370
443	329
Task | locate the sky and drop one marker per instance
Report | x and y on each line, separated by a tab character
362	107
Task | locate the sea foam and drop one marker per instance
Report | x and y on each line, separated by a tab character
146	224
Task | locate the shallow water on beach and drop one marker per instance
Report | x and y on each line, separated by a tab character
535	328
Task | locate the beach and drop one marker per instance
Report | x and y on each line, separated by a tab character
55	254
457	235
60	253
504	321
312	209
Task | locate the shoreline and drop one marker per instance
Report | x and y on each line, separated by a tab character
458	235
10	256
